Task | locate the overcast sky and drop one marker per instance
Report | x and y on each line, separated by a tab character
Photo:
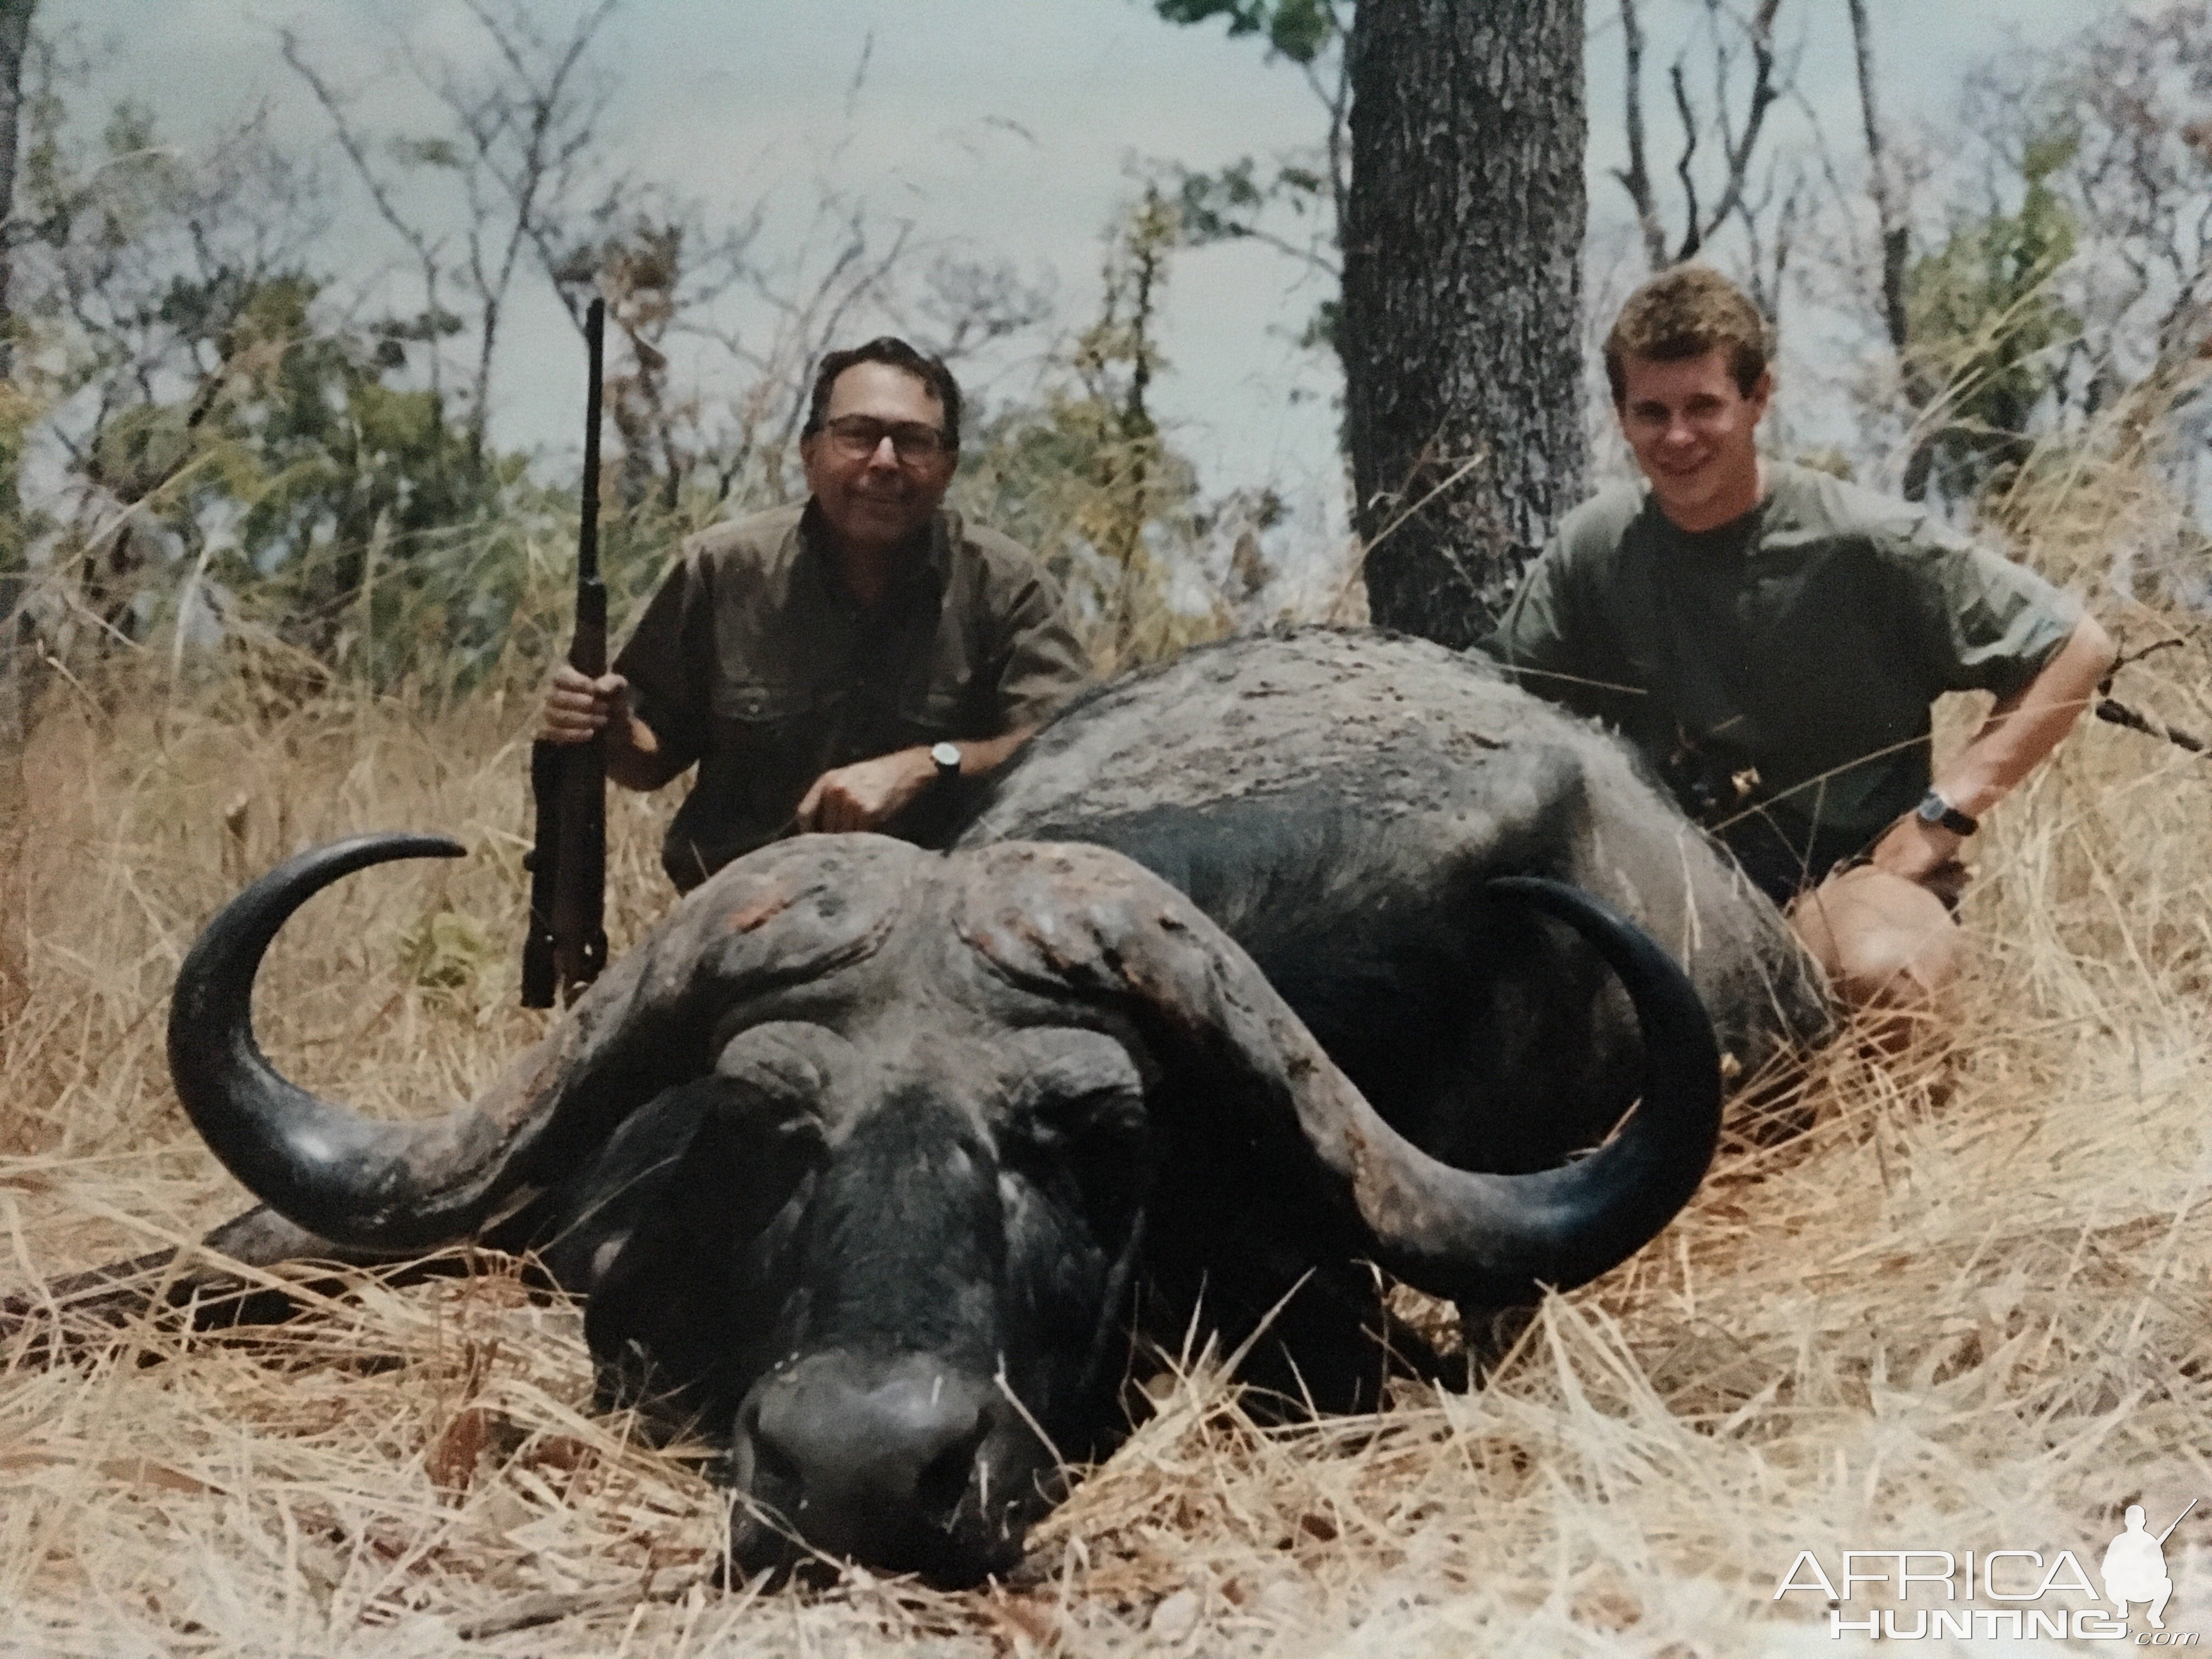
1010	126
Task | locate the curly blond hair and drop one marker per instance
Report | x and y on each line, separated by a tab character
1686	313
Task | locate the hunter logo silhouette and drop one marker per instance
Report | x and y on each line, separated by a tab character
2134	1566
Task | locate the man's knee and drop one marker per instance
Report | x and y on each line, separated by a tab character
1885	942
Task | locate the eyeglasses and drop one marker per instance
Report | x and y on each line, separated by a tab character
859	436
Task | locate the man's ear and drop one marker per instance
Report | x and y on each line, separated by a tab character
1762	393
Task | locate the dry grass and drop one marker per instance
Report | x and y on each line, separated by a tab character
1970	1310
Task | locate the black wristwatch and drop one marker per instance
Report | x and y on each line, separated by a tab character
946	759
1935	810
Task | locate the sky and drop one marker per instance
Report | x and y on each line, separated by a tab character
1008	129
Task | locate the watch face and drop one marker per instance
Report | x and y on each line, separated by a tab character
946	754
1940	814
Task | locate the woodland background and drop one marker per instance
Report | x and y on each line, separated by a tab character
273	574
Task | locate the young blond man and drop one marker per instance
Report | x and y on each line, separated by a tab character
1771	638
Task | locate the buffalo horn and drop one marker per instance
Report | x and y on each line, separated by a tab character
344	1177
787	914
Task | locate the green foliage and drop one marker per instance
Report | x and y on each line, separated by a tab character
1986	324
447	948
245	464
1223	206
1300	29
1087	479
352	510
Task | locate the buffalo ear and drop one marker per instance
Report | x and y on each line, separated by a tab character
663	1294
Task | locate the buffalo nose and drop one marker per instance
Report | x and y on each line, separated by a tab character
868	1457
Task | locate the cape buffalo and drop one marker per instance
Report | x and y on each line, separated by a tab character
1300	953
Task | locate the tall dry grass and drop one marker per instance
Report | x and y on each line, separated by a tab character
1972	1309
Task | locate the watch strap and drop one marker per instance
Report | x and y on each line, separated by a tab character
1934	809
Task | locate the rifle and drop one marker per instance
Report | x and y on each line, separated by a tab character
567	942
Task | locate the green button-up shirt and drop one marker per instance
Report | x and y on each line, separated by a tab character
1798	649
755	660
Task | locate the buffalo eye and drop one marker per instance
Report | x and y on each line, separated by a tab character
1072	1123
1092	1151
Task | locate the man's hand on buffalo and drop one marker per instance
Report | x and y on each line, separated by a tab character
867	795
1917	850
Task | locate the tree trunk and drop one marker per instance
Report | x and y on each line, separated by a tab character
15	35
14	634
1462	299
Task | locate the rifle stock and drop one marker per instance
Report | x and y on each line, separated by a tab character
567	942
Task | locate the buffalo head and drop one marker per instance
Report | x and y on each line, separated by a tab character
860	1157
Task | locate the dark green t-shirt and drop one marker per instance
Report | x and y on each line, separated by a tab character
1796	650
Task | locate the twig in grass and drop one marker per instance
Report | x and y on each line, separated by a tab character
2108	708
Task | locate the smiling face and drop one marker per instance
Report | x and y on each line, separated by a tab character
871	500
1694	434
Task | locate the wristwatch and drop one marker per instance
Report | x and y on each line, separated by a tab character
946	759
1935	811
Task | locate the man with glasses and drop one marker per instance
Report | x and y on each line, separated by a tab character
840	664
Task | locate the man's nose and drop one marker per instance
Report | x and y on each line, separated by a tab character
886	453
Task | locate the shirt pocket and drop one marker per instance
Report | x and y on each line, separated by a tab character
755	704
768	745
760	717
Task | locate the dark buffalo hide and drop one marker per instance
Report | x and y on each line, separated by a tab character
879	1164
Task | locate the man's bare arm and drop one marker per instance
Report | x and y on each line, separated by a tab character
2019	733
2023	729
869	793
986	754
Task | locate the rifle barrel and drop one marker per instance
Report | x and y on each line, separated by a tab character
587	648
587	533
567	944
2177	1520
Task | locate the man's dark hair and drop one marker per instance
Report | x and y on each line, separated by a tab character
888	348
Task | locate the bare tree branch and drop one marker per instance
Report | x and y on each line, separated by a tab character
1737	141
1635	179
528	132
427	251
1692	236
1763	94
1893	225
1889	210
